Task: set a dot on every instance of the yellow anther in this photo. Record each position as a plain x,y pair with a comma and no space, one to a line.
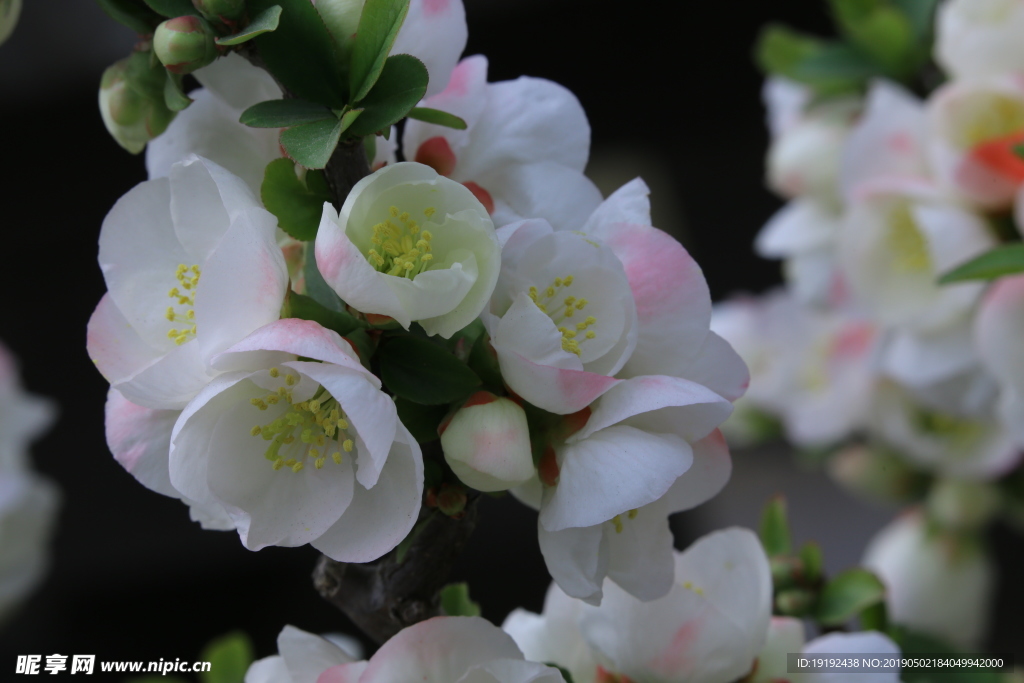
180,339
297,467
633,513
314,453
181,268
404,216
393,211
195,269
569,300
278,464
313,405
617,523
549,292
568,280
255,431
533,293
336,457
170,314
319,463
348,445
569,311
591,334
429,211
342,424
274,372
272,399
174,292
581,303
290,380
558,282
289,462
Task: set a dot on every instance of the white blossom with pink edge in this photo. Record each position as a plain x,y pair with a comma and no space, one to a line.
23,416
413,245
976,39
605,496
302,658
445,650
300,451
917,564
523,151
639,306
192,267
998,330
708,629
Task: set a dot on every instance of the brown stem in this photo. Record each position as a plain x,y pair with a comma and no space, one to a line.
348,165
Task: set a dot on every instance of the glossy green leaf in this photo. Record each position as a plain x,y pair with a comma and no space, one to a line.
483,360
422,372
774,529
828,67
348,118
284,113
229,657
401,85
421,421
265,22
455,601
174,96
378,27
172,8
307,308
297,204
1007,259
847,595
813,561
301,53
780,48
316,286
921,15
835,61
311,144
437,117
880,31
131,14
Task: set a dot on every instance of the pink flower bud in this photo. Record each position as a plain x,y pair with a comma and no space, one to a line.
487,443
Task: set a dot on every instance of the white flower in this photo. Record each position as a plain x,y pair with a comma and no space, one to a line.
784,102
23,417
933,583
441,650
998,329
979,38
300,451
523,151
487,443
192,266
303,657
28,511
412,245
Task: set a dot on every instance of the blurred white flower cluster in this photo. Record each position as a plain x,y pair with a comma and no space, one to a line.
911,385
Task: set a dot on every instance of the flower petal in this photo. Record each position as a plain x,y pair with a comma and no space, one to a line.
640,555
434,32
706,477
117,350
545,189
307,655
237,82
171,381
140,439
577,559
292,337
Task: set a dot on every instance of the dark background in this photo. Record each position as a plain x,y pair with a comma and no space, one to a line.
674,98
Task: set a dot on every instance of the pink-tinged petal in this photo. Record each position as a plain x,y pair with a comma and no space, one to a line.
243,284
708,475
512,671
630,203
615,470
435,32
556,193
379,518
343,673
553,389
171,381
294,337
439,650
237,82
205,200
718,367
999,329
888,141
140,439
465,97
577,559
267,670
117,350
670,405
307,656
640,551
346,270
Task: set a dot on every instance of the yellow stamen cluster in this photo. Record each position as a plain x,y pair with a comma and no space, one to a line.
617,520
566,308
401,247
310,428
188,280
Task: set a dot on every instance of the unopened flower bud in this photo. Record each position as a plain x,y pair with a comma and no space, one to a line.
962,505
341,17
876,473
786,571
794,602
132,118
9,11
220,10
487,443
184,44
451,500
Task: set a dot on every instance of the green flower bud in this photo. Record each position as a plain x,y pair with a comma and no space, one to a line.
132,108
224,11
9,11
794,602
184,44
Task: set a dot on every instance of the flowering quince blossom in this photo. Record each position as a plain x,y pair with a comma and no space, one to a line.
413,245
786,635
979,38
192,266
524,149
708,628
438,650
917,565
997,333
297,451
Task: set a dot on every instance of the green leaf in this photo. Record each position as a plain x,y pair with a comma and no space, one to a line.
311,144
174,96
779,49
316,287
420,420
437,117
172,8
1003,260
828,67
307,308
378,27
774,530
297,205
813,561
847,595
424,373
921,15
835,62
566,676
402,84
484,362
364,345
136,17
229,657
284,113
301,53
455,601
880,31
265,22
349,117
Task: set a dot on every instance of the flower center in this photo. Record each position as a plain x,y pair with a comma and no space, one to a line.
907,243
400,247
560,313
308,429
188,280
